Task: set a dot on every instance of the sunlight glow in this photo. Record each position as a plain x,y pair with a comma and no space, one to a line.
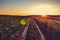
43,9
44,16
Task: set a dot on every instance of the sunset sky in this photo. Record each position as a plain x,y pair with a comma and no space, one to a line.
30,7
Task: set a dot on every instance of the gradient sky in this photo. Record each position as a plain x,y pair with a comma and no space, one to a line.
25,7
